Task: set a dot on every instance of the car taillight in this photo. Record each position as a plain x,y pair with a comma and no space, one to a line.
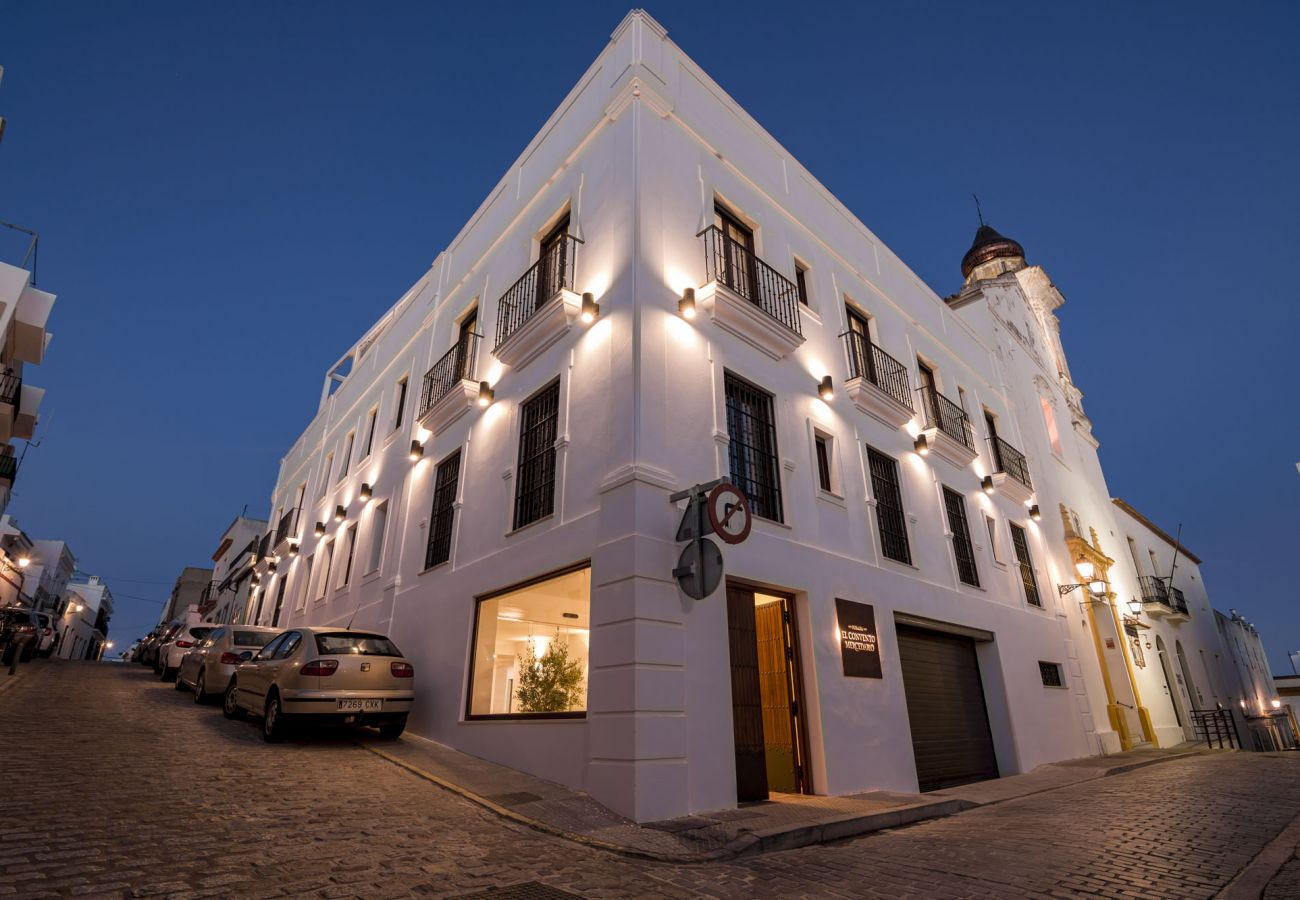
402,670
320,667
230,659
184,643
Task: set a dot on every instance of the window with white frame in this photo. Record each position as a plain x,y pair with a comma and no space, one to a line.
370,432
323,567
348,443
343,548
991,525
304,587
378,524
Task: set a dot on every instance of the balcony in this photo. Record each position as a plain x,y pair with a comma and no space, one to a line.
208,598
540,307
29,405
263,557
31,307
878,384
1161,601
11,392
1011,472
450,388
748,297
947,428
8,470
286,532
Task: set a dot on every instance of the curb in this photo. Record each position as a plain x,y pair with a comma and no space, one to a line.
1251,882
744,845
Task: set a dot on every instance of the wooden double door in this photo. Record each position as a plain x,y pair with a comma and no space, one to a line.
766,695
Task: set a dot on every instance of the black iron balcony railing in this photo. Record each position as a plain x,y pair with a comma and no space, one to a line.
1177,601
1153,590
545,278
8,468
868,361
264,546
946,416
288,527
1011,461
11,389
729,262
208,598
456,364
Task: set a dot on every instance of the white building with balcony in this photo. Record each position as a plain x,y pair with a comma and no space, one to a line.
84,621
658,295
24,313
226,597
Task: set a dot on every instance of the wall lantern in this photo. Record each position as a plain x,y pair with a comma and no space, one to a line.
293,549
922,445
1085,568
1097,587
1035,514
417,450
485,394
686,305
590,308
365,493
825,389
270,566
339,513
987,484
1276,704
24,562
1135,607
320,529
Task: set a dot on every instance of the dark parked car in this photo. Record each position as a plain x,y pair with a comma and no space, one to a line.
19,628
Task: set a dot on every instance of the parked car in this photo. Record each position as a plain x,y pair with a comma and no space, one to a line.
208,667
45,643
148,654
19,628
179,642
324,675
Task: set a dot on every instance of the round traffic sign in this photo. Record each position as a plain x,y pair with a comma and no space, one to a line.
729,513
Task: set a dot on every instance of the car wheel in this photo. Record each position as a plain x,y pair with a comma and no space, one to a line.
199,695
179,685
274,724
230,707
392,730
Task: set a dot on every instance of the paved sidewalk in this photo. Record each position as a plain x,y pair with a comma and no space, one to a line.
782,823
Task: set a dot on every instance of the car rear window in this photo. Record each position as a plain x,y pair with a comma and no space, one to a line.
200,633
251,638
346,643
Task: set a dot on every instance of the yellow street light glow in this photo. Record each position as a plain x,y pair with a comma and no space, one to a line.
1085,568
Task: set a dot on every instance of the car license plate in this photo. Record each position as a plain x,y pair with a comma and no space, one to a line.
361,705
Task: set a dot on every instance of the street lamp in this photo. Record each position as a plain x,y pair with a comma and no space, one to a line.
1087,578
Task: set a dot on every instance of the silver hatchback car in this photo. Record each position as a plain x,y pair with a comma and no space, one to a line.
209,667
324,675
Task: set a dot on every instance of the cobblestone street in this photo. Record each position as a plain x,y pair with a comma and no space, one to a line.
120,786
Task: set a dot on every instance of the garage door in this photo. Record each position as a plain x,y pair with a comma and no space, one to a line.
945,708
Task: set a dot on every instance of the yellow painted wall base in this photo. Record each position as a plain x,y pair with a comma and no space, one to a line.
1148,730
1116,715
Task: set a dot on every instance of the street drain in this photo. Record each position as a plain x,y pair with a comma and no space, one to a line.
525,890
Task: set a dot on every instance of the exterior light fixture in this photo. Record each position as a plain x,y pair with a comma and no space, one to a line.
922,445
270,566
24,562
1276,704
590,308
1135,606
1035,514
1243,704
1097,587
320,529
987,484
417,450
826,390
1085,568
293,549
365,493
485,394
1087,578
339,513
686,305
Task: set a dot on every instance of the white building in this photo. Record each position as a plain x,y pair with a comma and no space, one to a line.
85,618
24,312
52,567
487,478
226,599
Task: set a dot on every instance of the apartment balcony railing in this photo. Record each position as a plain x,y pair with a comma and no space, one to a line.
287,529
11,389
732,265
1161,599
8,468
552,273
868,361
1177,601
264,546
1153,589
947,417
1008,459
455,366
208,598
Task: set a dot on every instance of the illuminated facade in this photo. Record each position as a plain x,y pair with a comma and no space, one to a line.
24,312
653,297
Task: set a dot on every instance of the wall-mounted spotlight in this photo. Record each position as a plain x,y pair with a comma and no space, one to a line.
340,513
24,562
320,529
825,389
365,493
417,451
1035,514
922,445
485,394
987,484
293,549
270,566
590,308
686,305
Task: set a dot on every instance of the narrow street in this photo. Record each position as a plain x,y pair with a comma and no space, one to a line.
118,785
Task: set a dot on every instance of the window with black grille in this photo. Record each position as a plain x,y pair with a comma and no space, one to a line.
1051,674
889,507
755,468
443,516
1021,545
955,504
535,477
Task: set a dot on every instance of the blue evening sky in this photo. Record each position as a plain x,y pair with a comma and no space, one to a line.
229,193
